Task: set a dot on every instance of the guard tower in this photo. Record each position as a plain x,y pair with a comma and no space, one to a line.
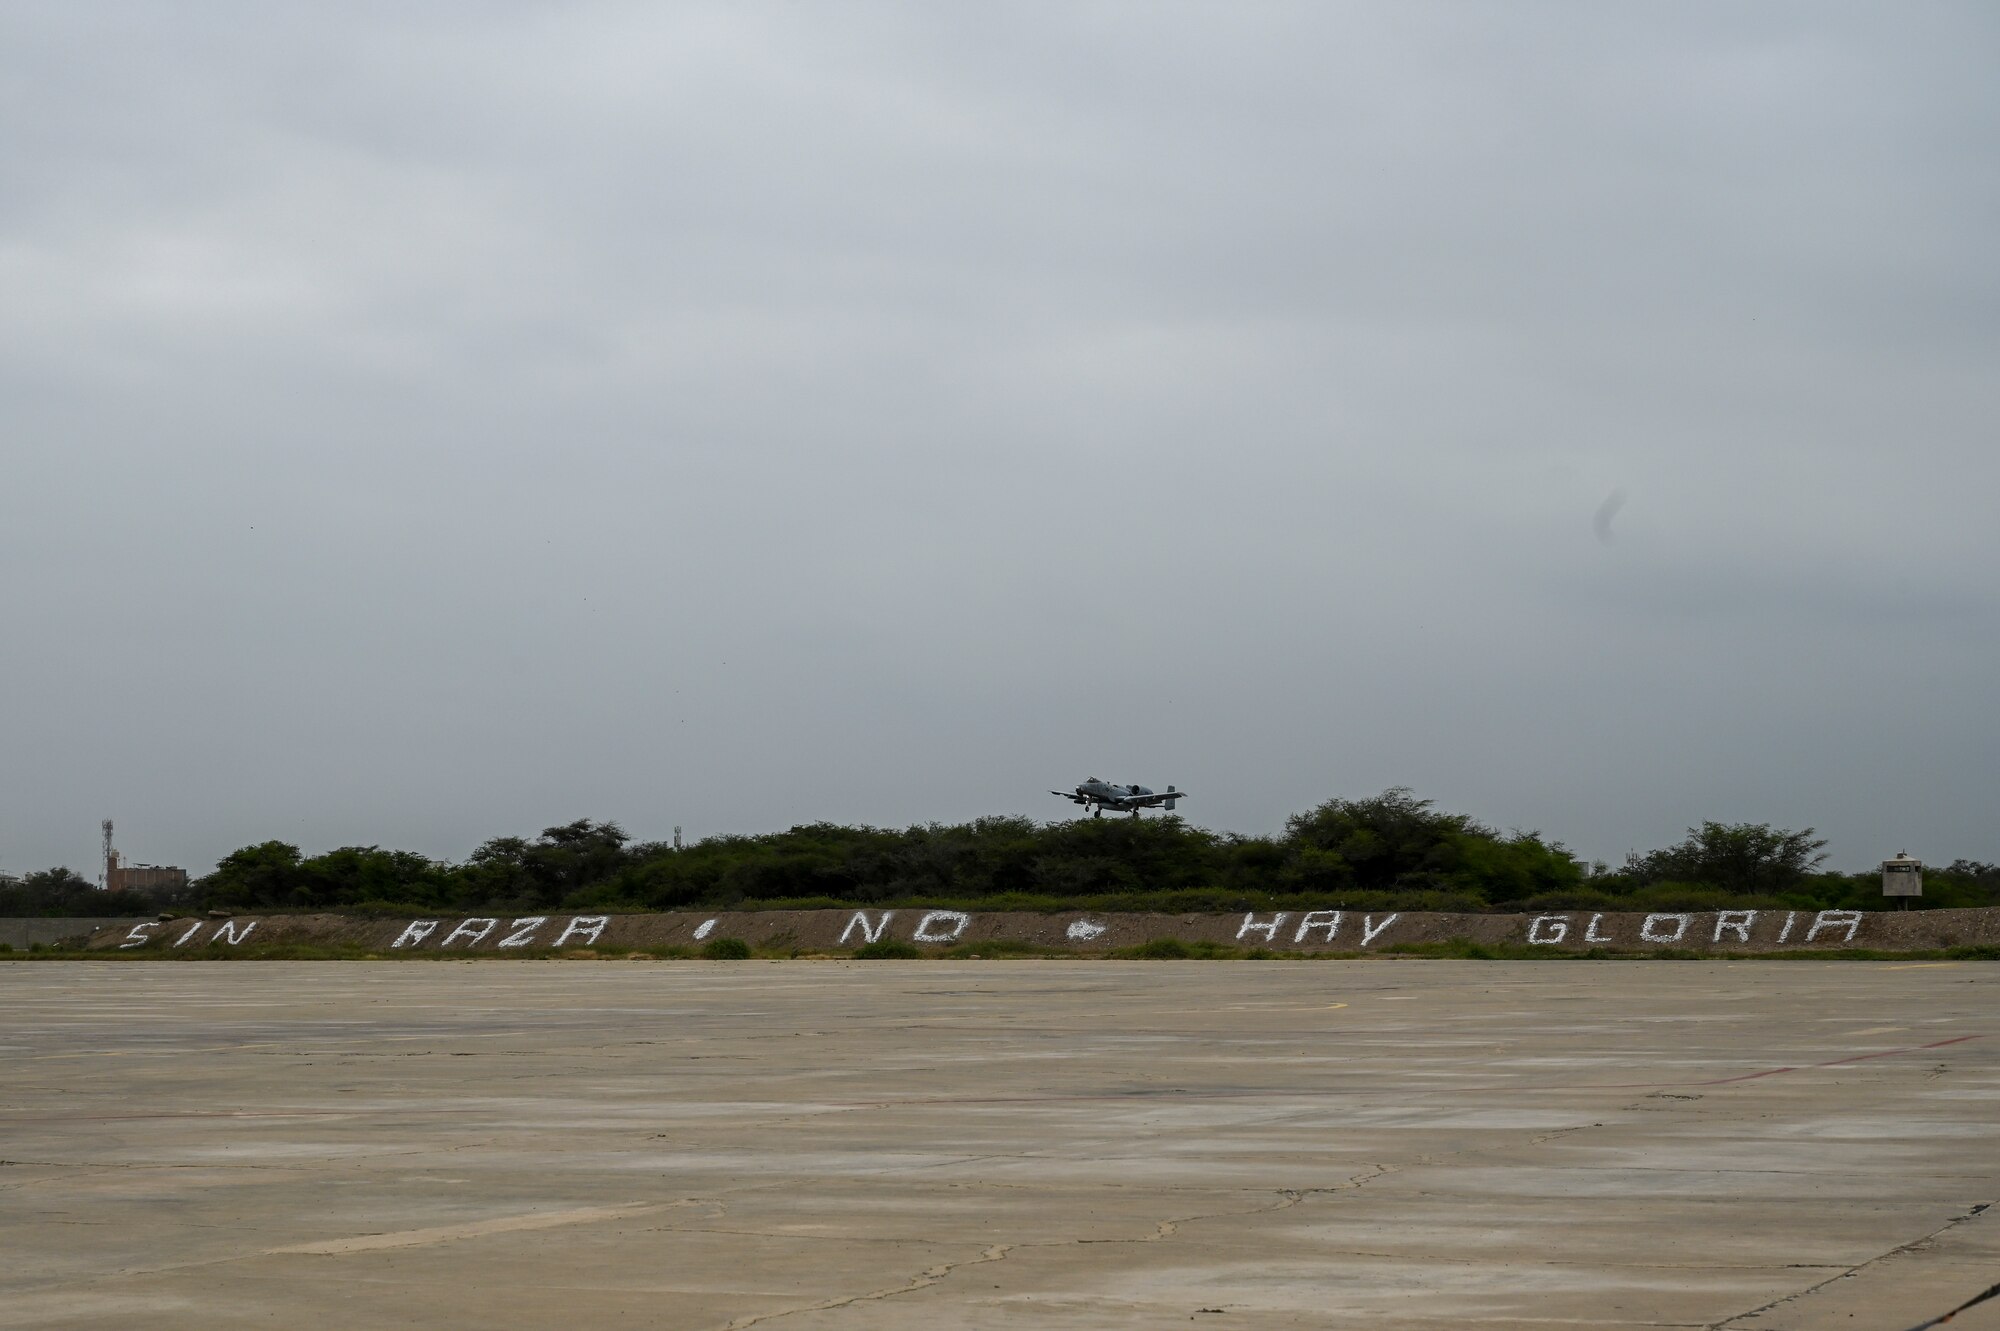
1902,878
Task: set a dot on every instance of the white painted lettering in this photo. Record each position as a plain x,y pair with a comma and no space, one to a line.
1737,922
588,927
868,935
1082,931
1252,925
1548,929
226,932
1835,919
138,937
1681,922
956,920
524,930
1370,930
1328,920
416,933
470,934
188,937
1590,934
1786,932
703,930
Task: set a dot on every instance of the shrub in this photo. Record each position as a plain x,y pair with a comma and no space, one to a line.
1159,949
887,949
1173,949
726,949
991,949
1463,949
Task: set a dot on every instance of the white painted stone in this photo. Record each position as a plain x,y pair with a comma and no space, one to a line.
868,934
1737,922
588,927
471,935
1835,919
1082,931
703,930
416,932
1548,929
1370,931
1253,925
1328,920
1681,923
927,933
523,930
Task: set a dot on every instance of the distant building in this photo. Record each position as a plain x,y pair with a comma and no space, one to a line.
139,877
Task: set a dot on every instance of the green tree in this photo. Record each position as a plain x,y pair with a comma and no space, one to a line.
1389,840
63,891
354,874
59,881
267,874
574,858
1737,857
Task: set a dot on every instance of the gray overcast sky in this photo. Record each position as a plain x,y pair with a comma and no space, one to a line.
420,423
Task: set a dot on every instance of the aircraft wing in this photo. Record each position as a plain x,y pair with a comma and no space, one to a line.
1071,796
1148,801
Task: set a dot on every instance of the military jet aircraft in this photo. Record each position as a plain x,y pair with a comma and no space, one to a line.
1098,796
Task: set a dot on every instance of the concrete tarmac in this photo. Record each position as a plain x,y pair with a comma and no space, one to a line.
841,1145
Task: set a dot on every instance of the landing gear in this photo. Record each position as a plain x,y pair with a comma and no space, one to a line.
1097,812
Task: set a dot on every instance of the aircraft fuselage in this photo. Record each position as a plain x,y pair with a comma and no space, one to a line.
1099,795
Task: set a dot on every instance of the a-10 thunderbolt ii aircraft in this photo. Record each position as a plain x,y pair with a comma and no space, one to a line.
1101,795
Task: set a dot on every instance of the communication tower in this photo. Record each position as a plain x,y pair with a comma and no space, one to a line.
110,858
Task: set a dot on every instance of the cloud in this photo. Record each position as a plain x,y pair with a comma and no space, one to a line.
421,425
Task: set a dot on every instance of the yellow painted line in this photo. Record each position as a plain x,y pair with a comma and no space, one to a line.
1922,965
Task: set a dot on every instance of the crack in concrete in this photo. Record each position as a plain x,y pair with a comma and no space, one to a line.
1162,1230
1562,1132
1297,1196
922,1280
1912,1246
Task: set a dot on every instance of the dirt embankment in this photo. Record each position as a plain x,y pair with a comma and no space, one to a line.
1085,933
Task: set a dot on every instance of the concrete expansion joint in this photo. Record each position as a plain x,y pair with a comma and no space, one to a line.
1917,1244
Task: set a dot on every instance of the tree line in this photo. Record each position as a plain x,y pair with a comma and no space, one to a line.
1387,851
